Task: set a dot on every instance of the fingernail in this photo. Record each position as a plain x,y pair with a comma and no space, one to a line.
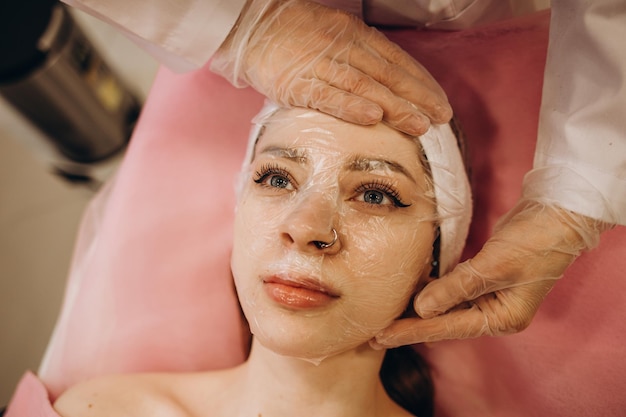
443,113
375,345
427,313
372,113
416,125
426,310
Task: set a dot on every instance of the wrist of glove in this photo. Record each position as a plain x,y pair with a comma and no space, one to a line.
543,238
230,58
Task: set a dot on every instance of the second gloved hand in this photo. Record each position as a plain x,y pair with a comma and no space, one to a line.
300,53
499,290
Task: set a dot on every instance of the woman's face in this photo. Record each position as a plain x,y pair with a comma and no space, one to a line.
311,173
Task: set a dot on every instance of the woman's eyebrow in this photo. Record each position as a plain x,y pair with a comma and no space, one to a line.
293,154
357,163
362,163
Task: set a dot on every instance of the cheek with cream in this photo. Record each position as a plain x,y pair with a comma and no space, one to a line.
304,303
310,307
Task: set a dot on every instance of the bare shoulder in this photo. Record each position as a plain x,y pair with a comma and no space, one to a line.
121,395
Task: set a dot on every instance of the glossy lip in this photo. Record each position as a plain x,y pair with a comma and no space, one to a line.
299,282
298,292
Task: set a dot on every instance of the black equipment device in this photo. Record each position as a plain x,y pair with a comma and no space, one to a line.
53,75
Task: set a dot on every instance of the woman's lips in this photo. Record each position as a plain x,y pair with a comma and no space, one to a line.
298,293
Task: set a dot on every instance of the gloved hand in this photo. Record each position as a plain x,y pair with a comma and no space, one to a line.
500,289
300,53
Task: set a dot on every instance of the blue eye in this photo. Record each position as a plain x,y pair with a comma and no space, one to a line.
278,181
379,193
272,176
373,197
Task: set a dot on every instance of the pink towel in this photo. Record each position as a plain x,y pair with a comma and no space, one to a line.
30,399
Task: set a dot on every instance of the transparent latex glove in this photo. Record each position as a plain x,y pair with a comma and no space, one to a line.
302,54
500,289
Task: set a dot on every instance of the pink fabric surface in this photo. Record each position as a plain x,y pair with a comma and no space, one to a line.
30,399
150,290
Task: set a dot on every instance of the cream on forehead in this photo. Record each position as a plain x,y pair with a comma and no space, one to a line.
367,164
317,130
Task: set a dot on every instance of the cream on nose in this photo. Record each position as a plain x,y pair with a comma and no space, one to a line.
310,223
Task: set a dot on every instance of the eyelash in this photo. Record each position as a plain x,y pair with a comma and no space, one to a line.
271,169
384,187
377,185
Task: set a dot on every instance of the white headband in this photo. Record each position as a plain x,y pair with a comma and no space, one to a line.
451,185
453,193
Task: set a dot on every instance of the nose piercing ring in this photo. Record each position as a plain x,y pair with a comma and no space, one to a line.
324,245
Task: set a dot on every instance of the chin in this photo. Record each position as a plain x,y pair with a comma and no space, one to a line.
310,341
314,353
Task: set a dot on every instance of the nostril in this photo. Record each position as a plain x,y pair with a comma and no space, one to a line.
287,238
320,245
325,245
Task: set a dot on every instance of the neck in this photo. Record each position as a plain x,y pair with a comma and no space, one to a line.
342,385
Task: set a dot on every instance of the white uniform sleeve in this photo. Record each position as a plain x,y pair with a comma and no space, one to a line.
180,34
580,161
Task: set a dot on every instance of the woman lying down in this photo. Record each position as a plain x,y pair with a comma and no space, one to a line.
337,227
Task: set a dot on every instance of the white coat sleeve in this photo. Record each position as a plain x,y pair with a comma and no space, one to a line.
181,34
580,160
